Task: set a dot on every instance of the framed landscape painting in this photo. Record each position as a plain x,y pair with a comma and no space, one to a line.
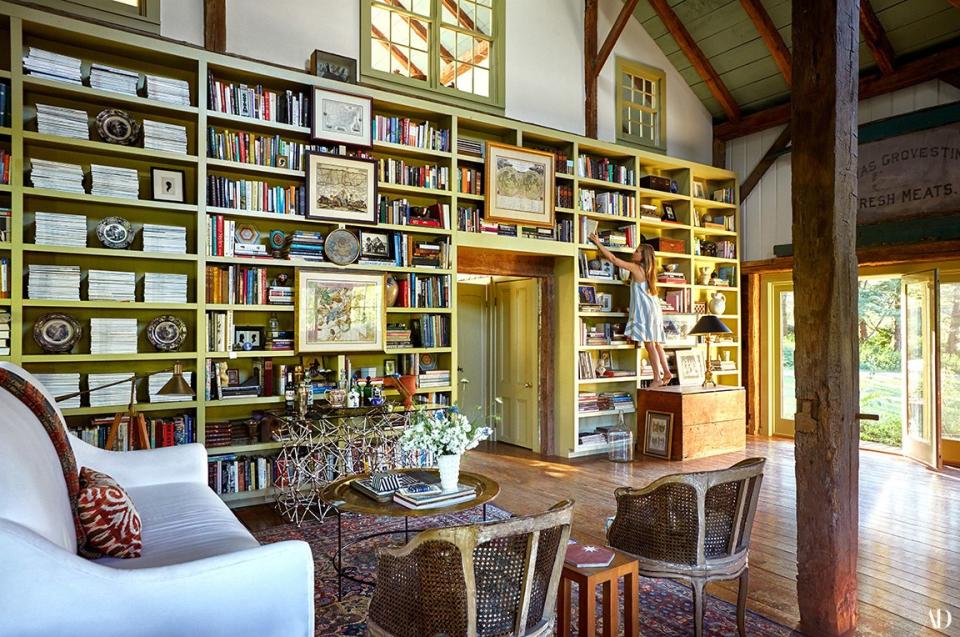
342,189
341,118
519,186
339,312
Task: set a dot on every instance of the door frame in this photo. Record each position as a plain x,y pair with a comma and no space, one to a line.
929,454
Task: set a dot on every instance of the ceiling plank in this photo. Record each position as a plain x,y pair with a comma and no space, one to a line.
699,61
626,12
876,38
929,67
771,37
776,149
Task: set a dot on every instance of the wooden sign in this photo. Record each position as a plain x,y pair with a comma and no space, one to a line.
910,175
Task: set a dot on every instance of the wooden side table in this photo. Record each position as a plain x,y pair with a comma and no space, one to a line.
588,578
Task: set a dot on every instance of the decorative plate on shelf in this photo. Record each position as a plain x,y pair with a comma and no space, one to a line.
428,362
56,333
115,232
341,247
245,233
166,333
117,127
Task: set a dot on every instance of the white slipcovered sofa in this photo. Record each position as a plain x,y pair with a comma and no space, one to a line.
200,573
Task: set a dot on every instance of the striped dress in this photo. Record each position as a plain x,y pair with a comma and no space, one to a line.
645,321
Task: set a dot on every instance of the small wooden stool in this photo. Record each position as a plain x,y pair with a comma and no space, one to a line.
587,578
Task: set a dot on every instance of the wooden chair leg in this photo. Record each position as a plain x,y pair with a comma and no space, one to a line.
698,608
742,590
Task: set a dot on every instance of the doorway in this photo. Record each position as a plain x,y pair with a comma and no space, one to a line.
499,354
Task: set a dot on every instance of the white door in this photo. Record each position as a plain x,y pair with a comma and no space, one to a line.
517,368
473,350
921,364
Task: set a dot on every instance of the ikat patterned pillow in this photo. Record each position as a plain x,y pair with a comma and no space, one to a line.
109,519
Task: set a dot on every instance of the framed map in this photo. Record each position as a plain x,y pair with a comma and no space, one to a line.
519,186
342,189
341,118
339,312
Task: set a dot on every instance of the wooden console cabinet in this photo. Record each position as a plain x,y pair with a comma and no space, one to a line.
706,420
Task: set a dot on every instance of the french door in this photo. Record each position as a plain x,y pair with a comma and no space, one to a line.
920,364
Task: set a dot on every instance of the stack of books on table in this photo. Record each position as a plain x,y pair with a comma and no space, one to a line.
156,381
56,175
167,89
171,138
398,336
431,496
113,336
52,66
111,78
58,229
305,245
433,378
109,396
60,385
4,333
164,288
53,282
111,285
113,181
62,121
171,239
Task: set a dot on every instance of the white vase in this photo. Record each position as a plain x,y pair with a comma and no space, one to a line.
449,466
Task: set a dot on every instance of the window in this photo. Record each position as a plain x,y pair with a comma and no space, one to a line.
453,47
641,96
143,15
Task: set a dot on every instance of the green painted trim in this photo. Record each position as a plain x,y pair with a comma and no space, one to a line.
923,119
637,69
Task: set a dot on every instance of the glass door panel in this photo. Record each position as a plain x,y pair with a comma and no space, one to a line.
783,347
920,364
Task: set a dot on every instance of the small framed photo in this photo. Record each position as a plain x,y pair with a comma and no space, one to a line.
331,66
668,213
167,184
375,245
389,367
699,189
658,434
341,118
588,294
690,366
247,339
341,189
606,301
233,377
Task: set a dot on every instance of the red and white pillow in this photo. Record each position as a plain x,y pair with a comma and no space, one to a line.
108,517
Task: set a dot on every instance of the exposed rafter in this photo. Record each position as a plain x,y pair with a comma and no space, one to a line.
776,149
771,37
215,25
593,60
626,12
697,59
876,38
395,52
955,3
930,67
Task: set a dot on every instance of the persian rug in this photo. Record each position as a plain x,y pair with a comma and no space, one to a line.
666,607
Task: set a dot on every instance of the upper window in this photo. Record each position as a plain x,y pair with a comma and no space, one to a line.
641,99
449,46
143,15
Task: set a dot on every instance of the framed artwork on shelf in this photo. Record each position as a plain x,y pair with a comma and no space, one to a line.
248,338
341,118
690,366
699,189
375,245
588,294
389,367
658,434
668,213
167,184
341,189
519,186
339,312
606,301
331,66
677,328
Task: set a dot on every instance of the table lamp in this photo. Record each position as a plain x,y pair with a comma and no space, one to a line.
707,326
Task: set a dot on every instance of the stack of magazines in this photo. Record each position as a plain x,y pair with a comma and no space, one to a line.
110,285
111,78
158,238
164,288
113,181
52,66
113,336
413,489
171,138
59,229
53,282
61,385
62,121
108,396
156,382
167,89
56,175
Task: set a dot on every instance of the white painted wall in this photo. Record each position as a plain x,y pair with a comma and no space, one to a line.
767,212
544,45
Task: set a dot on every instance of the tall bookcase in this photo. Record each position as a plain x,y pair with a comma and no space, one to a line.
25,27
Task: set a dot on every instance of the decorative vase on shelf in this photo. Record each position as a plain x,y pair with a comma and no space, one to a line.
449,465
704,275
718,303
392,290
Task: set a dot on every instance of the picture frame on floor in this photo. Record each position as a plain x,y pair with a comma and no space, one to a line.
658,434
341,118
339,312
341,189
520,186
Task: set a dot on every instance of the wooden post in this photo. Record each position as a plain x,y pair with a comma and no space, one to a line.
215,25
824,121
589,77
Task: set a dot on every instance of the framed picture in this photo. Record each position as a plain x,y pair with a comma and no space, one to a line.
331,66
339,312
690,366
588,294
247,338
375,245
389,367
341,118
519,186
167,184
699,189
658,434
233,377
606,301
668,213
341,189
677,328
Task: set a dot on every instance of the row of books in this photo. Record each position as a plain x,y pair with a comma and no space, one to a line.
607,202
591,402
605,170
717,221
399,172
240,474
221,237
470,219
255,196
236,432
257,102
430,331
725,195
724,249
564,196
470,181
402,130
252,148
400,212
238,284
4,104
424,291
4,333
6,159
677,301
165,431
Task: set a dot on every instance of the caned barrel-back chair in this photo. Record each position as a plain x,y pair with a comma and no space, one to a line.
484,580
693,527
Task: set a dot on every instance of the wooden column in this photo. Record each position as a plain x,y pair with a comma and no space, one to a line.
215,25
589,77
824,121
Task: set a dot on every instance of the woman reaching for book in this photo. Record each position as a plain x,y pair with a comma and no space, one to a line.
645,320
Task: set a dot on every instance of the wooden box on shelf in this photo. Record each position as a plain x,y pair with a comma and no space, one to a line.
706,420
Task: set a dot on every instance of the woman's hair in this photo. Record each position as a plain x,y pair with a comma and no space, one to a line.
647,260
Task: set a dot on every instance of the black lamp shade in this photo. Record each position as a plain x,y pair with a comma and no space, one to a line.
709,324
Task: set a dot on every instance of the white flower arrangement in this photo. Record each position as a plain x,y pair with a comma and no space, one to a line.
443,432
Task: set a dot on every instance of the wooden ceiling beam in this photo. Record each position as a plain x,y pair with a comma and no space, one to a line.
876,37
776,149
934,66
215,25
697,59
626,12
955,3
771,37
590,12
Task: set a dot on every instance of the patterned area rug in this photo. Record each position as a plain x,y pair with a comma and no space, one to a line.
666,607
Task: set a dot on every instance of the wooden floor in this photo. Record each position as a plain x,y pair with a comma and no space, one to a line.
909,526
